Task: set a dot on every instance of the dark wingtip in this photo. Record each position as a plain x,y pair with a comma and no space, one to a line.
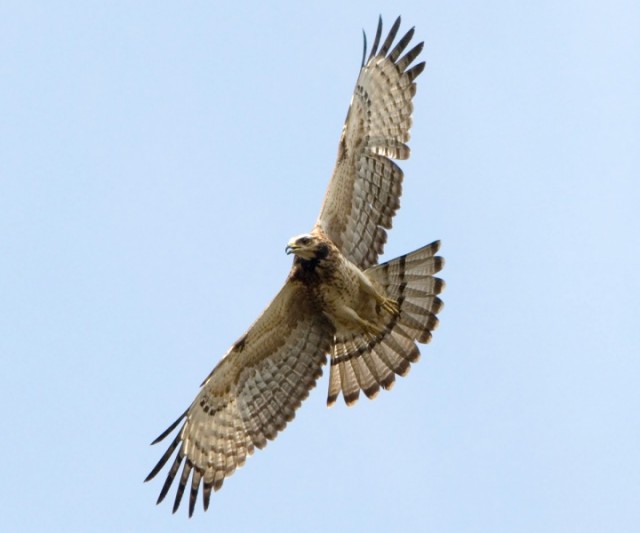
376,40
386,46
163,460
173,426
415,71
206,494
165,489
178,499
193,496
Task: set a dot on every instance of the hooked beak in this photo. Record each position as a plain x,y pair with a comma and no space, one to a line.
290,249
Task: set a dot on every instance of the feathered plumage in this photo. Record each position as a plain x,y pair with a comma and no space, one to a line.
336,300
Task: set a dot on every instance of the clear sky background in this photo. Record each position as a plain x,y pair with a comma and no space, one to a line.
156,157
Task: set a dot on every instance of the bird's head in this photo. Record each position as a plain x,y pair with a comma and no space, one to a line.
307,247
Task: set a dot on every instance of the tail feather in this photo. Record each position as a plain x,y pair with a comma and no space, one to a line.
400,343
371,369
350,386
363,378
335,381
362,362
379,371
397,357
392,366
366,379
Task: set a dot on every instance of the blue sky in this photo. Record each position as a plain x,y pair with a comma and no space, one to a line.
156,157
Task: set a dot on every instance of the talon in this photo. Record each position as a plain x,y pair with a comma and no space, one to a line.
372,329
391,306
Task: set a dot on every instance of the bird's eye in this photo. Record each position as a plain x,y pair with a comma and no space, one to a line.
304,241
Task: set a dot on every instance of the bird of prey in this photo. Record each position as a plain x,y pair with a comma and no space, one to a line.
337,301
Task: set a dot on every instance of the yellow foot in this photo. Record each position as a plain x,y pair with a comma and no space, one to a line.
370,328
391,306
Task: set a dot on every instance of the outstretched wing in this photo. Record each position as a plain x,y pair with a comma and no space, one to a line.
249,396
364,191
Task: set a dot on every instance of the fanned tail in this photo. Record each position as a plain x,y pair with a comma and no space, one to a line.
364,362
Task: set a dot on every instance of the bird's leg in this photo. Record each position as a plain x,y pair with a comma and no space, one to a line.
371,329
350,317
388,304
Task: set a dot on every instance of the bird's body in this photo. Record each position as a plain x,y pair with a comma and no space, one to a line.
342,292
336,300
